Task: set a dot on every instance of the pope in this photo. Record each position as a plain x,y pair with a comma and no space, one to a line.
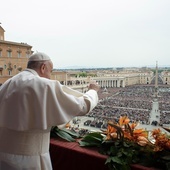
30,104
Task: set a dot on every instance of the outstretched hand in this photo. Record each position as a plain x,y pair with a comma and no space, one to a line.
94,86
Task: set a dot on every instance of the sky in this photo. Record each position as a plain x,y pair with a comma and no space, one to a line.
92,33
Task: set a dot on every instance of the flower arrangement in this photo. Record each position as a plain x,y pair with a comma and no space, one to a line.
125,145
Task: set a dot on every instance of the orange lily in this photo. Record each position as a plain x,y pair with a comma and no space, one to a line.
110,131
142,141
124,120
133,125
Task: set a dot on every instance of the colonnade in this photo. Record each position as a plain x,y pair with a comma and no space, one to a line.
81,84
111,83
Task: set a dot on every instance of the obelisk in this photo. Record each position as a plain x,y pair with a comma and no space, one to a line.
155,112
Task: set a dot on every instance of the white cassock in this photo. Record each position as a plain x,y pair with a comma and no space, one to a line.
29,106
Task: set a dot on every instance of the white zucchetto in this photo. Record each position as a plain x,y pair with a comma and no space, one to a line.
39,56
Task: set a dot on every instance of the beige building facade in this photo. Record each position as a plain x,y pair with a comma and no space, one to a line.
124,78
13,57
165,75
106,79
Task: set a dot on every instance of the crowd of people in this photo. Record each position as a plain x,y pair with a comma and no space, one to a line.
133,101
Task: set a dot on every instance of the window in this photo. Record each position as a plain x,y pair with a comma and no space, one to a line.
0,52
9,53
19,54
5,66
28,54
1,68
9,66
10,72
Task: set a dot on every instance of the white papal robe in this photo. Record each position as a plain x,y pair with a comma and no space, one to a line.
29,106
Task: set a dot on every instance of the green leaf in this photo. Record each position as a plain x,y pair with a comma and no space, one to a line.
53,131
95,136
114,159
89,143
91,139
72,133
65,135
108,160
54,128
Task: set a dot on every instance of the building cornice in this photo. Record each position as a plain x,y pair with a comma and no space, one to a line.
15,43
